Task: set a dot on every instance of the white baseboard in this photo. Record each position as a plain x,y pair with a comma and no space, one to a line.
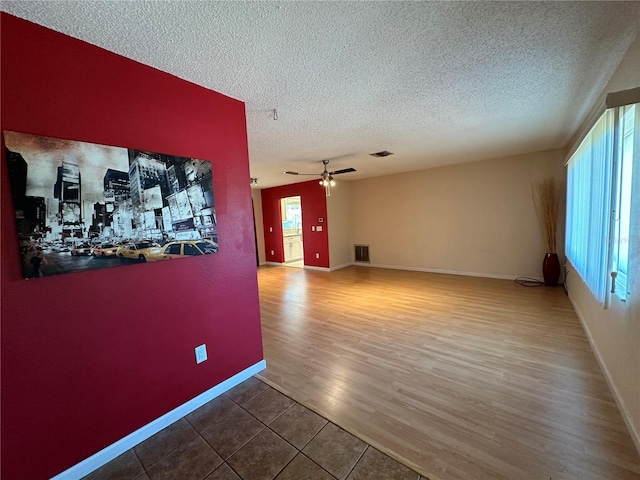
277,264
338,267
626,415
107,454
436,270
319,269
413,269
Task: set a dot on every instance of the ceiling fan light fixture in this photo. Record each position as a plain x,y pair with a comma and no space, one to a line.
326,177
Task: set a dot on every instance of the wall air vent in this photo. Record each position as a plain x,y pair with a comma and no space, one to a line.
362,253
381,154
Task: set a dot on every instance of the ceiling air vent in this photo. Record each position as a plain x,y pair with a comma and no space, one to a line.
381,154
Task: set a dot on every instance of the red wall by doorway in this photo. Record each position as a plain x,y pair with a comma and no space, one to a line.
89,357
314,207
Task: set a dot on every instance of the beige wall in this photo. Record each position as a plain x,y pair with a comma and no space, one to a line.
472,218
615,333
339,225
257,211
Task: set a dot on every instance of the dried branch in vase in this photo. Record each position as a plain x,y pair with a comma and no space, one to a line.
546,199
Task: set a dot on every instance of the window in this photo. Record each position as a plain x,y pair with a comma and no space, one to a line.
173,249
191,250
622,211
206,247
599,203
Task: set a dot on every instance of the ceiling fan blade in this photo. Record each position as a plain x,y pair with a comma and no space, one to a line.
296,173
344,170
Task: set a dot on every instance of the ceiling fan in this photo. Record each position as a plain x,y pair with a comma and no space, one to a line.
326,177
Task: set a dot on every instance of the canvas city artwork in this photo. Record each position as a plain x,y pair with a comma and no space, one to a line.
82,206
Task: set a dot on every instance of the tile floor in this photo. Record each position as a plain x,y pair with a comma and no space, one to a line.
253,432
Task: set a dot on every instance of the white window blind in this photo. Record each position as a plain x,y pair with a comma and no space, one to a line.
589,180
599,203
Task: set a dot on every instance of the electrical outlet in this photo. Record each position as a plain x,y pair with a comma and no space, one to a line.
201,353
317,255
319,228
313,228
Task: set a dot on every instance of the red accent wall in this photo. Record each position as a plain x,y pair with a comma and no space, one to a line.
314,206
90,357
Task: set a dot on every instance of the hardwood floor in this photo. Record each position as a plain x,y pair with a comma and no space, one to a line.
457,377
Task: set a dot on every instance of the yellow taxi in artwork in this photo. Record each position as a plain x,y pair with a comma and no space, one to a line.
104,250
183,249
141,251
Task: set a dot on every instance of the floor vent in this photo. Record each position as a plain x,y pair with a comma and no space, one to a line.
362,253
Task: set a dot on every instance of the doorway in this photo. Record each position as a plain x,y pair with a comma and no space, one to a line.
291,212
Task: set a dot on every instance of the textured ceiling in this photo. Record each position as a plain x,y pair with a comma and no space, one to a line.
433,82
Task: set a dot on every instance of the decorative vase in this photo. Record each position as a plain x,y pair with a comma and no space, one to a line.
551,269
